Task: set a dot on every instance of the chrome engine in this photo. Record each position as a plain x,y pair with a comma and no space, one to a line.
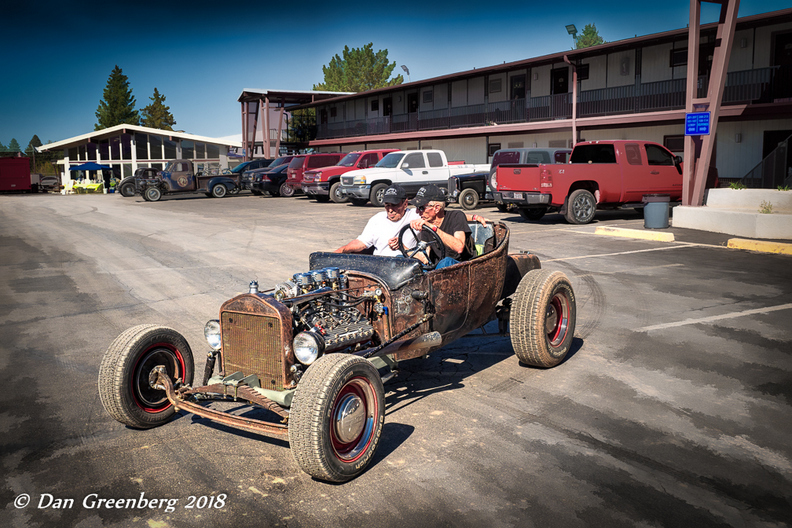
320,304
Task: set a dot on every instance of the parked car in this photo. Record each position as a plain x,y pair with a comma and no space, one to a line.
600,174
304,162
48,182
126,187
324,184
272,181
249,175
179,176
469,189
527,156
412,169
316,350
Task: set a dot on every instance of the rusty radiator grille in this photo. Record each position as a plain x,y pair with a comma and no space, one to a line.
252,345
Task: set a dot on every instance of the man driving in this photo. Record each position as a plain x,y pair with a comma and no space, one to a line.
450,226
382,229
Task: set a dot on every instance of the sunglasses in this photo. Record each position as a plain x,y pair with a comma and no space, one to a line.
420,208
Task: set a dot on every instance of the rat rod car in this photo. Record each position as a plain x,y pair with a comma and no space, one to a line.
315,350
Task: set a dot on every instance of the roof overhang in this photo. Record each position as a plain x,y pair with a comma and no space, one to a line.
288,97
93,137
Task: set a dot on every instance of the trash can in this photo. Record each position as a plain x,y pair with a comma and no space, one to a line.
656,211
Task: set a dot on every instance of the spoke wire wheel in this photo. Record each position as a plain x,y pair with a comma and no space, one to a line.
336,417
542,318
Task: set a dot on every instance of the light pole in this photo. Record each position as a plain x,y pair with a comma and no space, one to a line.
407,71
572,30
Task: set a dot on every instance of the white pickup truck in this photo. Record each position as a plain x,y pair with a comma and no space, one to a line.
412,169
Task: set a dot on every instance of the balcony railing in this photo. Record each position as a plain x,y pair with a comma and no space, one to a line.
751,86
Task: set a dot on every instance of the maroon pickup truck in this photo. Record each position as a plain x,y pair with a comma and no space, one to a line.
323,184
600,174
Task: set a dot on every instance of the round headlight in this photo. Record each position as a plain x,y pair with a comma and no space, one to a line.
307,347
212,333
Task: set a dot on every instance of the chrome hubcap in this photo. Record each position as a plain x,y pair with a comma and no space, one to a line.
350,418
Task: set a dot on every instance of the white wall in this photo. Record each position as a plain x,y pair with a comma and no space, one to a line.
734,160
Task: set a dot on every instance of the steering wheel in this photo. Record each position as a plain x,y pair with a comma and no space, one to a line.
422,247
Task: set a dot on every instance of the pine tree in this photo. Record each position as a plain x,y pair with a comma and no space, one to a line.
118,104
156,114
359,70
14,146
589,37
3,148
34,143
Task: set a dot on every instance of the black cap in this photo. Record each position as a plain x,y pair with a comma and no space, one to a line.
428,193
394,194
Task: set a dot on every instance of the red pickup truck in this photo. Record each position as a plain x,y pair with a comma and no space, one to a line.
600,174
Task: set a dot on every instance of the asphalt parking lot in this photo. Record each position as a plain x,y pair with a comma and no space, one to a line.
673,409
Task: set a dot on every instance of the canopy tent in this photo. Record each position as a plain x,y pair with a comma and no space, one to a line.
90,166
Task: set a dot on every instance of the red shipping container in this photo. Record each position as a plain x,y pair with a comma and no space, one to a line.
14,174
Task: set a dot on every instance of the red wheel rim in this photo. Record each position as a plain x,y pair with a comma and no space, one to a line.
146,397
352,419
557,319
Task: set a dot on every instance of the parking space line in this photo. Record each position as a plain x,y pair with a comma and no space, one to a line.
731,315
665,248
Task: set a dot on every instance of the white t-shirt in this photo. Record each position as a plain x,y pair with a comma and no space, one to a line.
379,230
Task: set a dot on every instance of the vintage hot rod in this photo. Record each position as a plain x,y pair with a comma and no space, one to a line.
315,350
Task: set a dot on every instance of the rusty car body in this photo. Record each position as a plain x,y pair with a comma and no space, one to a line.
316,349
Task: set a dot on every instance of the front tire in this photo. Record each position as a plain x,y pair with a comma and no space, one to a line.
336,417
219,191
124,383
581,207
152,194
127,190
469,199
335,193
542,318
378,194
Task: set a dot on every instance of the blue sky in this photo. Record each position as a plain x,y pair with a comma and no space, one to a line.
201,54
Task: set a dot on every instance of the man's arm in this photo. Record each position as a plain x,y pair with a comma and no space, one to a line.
355,246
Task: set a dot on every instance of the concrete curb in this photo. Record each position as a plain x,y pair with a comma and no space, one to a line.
760,245
657,236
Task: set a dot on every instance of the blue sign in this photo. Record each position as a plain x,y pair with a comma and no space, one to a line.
697,124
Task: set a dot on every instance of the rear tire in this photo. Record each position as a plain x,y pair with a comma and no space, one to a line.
219,191
542,318
336,417
531,215
286,190
581,207
124,387
335,193
469,199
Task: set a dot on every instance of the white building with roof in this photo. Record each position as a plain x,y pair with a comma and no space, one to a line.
125,148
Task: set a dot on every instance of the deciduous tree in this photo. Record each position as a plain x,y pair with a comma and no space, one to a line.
358,70
118,104
156,114
589,37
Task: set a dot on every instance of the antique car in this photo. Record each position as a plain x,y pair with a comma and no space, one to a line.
315,350
469,189
126,187
181,176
